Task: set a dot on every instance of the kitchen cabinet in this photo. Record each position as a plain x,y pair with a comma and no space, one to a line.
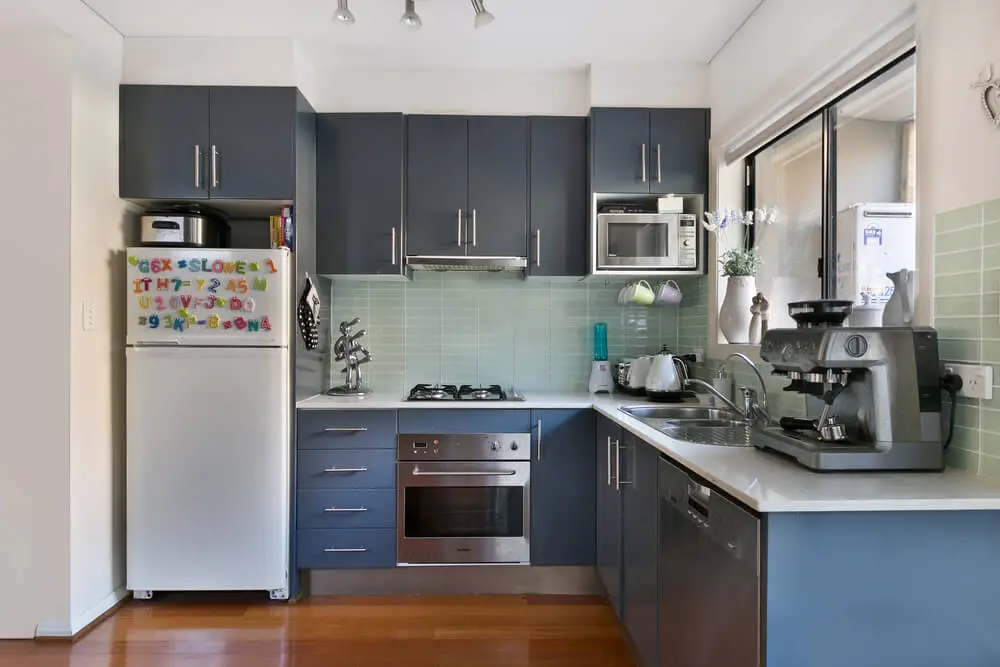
640,547
207,142
466,185
562,490
359,198
609,511
649,151
558,196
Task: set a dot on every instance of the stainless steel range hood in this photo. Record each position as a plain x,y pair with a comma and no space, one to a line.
465,263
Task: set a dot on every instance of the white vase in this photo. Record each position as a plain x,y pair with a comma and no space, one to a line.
734,316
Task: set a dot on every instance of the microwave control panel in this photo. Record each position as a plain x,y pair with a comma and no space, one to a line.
687,241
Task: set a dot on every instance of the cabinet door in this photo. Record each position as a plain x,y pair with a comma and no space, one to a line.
437,184
640,548
164,142
620,140
558,197
498,186
678,157
562,487
359,194
253,134
609,526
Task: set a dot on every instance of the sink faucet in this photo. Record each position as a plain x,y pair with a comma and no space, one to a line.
752,410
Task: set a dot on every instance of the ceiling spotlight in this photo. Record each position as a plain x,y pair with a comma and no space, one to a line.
410,18
483,17
343,13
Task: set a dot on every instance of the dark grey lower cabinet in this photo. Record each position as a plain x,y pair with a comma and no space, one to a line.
609,511
562,488
640,547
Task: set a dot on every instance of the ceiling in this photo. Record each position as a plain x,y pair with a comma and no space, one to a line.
535,34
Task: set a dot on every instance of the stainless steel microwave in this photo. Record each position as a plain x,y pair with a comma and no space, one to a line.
647,242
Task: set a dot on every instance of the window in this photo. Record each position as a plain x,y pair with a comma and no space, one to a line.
843,181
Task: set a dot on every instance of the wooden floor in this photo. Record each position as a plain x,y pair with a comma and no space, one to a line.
343,632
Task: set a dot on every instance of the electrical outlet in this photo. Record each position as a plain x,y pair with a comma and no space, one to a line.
977,381
89,316
699,355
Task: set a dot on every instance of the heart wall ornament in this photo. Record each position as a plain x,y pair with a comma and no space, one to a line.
989,87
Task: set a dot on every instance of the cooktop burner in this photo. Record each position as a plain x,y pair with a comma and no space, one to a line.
465,392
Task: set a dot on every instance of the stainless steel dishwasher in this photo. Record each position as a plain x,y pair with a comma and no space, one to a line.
709,576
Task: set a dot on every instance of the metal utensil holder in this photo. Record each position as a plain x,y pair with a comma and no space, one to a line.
348,348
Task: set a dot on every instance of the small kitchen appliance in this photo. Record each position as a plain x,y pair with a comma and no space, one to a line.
873,396
463,498
184,226
601,381
629,238
666,377
208,420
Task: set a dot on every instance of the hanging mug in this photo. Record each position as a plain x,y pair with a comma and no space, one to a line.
641,293
669,293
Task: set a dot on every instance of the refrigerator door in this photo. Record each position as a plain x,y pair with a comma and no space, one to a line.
208,297
208,468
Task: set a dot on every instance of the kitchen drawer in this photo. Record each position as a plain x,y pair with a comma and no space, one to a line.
361,547
499,420
346,429
361,469
346,508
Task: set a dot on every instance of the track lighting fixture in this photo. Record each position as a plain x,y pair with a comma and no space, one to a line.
483,17
410,18
343,13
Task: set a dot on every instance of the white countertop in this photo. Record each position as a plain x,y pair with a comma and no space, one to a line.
761,480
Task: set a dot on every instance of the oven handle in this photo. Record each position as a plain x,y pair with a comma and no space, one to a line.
475,473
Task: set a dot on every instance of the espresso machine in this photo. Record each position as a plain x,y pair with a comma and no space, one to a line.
873,397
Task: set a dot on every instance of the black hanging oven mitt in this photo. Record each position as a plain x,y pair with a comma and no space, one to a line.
309,315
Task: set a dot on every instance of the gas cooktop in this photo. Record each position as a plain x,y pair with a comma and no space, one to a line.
465,392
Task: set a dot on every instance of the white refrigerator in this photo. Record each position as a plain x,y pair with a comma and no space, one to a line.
208,420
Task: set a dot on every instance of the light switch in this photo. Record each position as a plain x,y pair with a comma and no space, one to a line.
89,316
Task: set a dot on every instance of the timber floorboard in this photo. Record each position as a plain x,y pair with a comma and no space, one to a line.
492,631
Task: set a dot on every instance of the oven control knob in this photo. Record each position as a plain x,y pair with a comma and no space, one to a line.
513,446
495,446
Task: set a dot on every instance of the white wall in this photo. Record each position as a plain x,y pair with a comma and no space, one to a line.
206,61
649,85
35,121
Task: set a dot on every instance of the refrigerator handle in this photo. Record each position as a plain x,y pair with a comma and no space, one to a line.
173,342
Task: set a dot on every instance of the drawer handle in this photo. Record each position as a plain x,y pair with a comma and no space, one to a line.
346,509
471,473
357,550
349,429
346,470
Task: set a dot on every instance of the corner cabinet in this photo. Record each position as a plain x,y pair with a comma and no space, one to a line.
609,511
649,151
207,142
466,185
640,547
558,196
562,488
359,194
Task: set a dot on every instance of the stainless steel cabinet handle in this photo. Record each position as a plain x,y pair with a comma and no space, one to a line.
394,246
609,460
644,163
356,550
215,166
459,228
197,166
538,248
346,429
618,464
346,509
473,228
471,473
659,167
346,470
539,440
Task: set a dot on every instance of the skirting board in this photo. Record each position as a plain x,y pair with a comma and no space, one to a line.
62,630
455,580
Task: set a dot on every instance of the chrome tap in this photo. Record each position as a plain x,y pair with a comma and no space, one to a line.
752,410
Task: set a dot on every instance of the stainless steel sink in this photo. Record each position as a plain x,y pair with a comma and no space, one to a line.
700,424
680,413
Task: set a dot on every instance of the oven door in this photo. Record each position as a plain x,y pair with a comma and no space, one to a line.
463,512
637,241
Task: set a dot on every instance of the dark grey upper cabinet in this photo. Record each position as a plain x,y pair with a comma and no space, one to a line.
253,135
359,195
620,150
498,186
558,196
640,547
678,157
164,142
562,487
437,184
609,511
